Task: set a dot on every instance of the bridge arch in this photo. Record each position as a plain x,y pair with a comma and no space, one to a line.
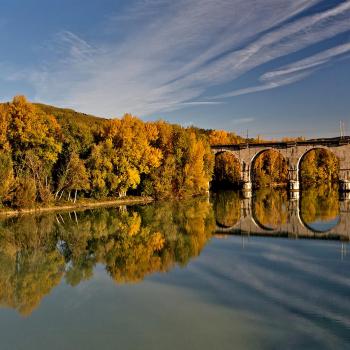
294,153
302,157
227,168
256,156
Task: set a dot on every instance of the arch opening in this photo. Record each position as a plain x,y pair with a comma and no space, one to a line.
269,169
319,208
318,166
270,209
227,171
227,208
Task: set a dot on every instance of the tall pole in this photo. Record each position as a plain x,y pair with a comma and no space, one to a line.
341,128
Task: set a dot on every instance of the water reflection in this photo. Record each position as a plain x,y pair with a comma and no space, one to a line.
320,207
36,252
227,208
270,208
318,213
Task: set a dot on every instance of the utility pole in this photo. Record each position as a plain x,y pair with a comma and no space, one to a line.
341,128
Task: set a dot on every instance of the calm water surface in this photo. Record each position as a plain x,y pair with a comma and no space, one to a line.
221,273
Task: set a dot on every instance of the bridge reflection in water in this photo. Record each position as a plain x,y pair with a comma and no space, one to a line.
317,213
39,252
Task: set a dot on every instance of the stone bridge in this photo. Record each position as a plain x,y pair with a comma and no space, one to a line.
293,153
294,227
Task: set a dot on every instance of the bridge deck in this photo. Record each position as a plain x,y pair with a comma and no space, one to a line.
334,141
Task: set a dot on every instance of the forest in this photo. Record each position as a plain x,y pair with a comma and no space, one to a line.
49,154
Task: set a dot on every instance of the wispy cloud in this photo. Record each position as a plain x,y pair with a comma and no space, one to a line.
246,120
176,51
293,72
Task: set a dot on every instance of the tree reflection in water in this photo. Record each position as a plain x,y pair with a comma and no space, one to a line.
270,207
227,208
36,252
320,205
272,210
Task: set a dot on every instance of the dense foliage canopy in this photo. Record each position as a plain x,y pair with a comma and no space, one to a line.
48,154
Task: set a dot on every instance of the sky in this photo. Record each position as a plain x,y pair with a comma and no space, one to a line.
264,67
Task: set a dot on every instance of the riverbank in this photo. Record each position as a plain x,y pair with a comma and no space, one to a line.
80,204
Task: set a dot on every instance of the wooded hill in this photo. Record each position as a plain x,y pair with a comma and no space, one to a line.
49,154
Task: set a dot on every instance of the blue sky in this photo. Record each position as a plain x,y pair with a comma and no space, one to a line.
273,67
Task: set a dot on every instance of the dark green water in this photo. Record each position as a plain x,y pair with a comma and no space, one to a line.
181,275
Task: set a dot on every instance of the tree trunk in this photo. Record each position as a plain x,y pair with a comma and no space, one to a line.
61,195
75,196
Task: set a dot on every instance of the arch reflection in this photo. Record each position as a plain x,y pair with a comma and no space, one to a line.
270,209
227,208
319,208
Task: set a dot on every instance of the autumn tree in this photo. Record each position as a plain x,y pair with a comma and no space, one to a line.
319,166
34,140
7,179
73,177
270,169
32,130
187,163
222,137
227,170
127,153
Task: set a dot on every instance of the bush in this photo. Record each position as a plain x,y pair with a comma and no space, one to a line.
25,193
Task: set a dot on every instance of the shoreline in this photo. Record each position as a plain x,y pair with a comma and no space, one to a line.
7,212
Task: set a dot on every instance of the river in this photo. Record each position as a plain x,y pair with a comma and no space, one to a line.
217,272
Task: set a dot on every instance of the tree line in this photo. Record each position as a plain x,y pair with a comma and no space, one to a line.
49,154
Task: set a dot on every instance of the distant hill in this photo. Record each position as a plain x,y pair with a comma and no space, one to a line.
67,115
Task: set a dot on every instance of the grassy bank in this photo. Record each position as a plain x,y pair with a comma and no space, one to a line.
79,204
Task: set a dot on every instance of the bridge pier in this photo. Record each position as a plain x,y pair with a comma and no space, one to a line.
247,190
294,195
344,185
294,185
247,186
345,196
